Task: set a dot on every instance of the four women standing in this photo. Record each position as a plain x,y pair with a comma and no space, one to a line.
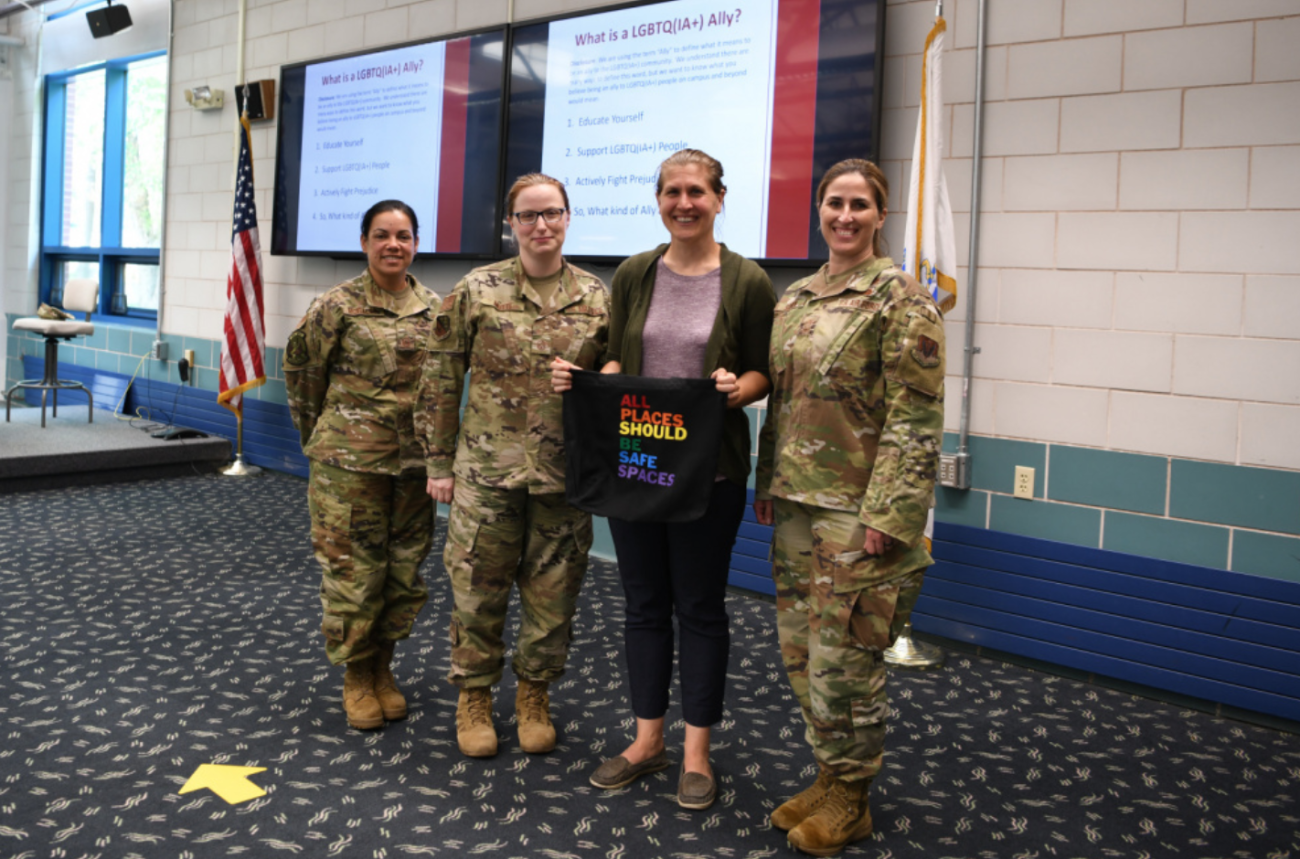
846,470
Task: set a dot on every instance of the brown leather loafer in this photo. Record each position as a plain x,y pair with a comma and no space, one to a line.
619,772
696,791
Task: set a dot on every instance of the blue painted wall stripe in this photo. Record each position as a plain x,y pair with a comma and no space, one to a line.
1266,555
1171,539
1090,592
1262,498
1207,654
1202,577
1120,669
1106,478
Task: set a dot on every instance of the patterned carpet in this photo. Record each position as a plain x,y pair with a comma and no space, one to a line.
152,627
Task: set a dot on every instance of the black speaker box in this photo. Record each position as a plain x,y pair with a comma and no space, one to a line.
261,99
107,21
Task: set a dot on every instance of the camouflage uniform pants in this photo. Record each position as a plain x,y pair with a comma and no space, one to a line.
834,623
370,533
499,538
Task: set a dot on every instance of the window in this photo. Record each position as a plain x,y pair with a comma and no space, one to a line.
105,128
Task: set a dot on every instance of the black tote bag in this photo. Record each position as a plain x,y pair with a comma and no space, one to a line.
639,449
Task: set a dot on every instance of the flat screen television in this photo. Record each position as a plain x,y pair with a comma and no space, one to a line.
420,122
777,90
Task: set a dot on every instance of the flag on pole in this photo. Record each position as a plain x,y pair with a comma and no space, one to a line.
930,244
244,340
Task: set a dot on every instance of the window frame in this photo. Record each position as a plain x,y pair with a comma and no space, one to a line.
110,254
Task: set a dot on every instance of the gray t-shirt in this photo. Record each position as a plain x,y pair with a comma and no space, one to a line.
679,322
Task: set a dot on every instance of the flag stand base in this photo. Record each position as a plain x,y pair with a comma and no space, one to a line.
907,652
239,468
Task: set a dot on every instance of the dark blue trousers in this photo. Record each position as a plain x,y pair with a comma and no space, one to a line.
679,569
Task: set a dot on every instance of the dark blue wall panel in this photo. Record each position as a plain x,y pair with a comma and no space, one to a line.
1226,637
751,565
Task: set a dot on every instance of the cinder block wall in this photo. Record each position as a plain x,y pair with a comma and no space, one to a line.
1139,292
1138,309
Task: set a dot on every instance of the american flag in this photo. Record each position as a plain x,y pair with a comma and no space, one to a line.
243,345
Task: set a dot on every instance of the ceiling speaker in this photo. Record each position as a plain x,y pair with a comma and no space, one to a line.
107,21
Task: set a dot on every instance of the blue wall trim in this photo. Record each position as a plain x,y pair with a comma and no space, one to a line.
751,562
1229,638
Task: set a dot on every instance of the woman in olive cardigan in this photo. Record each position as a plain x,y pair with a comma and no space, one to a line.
738,341
689,308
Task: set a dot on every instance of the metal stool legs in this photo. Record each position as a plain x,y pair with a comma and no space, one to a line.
51,383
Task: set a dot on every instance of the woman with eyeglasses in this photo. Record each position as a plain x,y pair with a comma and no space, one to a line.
688,308
501,466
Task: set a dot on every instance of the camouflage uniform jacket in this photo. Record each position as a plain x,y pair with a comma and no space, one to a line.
351,368
855,418
494,326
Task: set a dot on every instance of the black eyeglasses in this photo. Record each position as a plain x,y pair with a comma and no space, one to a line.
551,216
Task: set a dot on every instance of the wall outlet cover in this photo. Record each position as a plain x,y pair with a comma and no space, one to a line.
1024,485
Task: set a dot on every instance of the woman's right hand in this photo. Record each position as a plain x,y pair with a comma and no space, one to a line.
440,489
763,512
562,375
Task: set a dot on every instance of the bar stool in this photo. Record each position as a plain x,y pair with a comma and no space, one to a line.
78,295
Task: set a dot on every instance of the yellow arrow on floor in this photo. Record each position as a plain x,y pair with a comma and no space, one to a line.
229,783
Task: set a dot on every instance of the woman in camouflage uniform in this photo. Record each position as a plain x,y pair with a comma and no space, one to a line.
351,368
501,466
846,471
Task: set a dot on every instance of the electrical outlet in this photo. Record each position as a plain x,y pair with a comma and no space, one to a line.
1024,487
159,352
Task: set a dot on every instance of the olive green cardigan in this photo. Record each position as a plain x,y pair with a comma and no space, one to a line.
738,342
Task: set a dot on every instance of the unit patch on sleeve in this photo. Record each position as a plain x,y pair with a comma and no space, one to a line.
926,351
921,364
296,352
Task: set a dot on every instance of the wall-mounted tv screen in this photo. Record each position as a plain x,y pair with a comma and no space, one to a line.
420,123
777,90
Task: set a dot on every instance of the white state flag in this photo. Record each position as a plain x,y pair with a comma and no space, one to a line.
930,246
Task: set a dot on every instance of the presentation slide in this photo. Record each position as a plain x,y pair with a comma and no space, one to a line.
372,130
625,89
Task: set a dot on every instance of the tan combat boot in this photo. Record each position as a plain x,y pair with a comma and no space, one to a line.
359,701
533,711
843,817
799,807
474,730
391,699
